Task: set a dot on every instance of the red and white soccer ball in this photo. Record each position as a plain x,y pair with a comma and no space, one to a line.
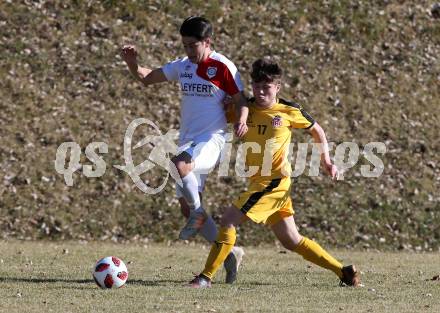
110,272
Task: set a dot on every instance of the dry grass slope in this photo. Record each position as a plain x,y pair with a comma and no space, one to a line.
367,71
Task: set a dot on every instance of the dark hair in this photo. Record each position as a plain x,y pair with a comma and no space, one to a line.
266,70
196,26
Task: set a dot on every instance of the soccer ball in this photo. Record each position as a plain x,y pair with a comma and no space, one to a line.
110,272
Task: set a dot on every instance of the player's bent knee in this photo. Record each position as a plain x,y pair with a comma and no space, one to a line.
183,164
292,241
289,245
297,239
231,217
183,168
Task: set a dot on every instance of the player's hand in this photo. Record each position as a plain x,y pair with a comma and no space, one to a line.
332,170
240,129
129,54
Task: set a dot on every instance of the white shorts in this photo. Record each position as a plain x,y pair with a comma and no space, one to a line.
205,151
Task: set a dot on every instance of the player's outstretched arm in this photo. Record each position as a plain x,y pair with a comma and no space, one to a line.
242,112
319,137
145,75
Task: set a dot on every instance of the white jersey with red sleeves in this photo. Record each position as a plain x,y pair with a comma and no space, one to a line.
203,86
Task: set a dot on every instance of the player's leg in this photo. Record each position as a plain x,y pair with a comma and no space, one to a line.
205,154
209,228
189,195
209,232
225,240
232,263
257,203
190,186
231,218
287,233
221,247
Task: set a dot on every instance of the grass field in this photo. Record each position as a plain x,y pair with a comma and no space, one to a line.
55,277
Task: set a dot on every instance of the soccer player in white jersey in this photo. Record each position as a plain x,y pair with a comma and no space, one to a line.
206,78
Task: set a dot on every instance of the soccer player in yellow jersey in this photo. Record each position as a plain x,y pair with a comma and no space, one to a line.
267,199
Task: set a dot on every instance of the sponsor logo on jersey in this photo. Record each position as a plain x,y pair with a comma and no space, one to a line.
211,71
200,88
188,67
277,121
186,75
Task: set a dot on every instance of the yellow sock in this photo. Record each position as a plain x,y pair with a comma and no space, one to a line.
313,252
219,251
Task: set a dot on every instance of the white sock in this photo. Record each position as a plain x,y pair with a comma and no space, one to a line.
190,190
209,230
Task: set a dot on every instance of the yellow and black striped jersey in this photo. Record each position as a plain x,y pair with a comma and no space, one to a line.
270,129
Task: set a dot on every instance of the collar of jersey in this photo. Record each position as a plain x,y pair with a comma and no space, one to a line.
207,59
263,109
